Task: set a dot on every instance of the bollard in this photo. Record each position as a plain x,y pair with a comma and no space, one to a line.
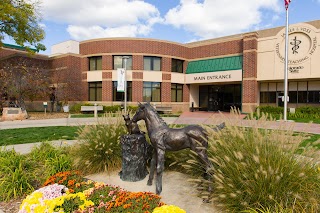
95,110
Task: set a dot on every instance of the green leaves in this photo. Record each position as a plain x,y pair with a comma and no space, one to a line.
20,20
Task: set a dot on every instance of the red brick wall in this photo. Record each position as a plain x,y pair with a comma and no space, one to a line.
217,49
166,64
250,88
132,46
137,62
107,90
165,92
137,91
157,47
250,91
68,71
186,93
166,87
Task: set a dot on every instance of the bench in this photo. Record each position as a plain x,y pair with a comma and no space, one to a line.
161,109
90,108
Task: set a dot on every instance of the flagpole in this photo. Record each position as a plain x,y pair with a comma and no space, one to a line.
286,67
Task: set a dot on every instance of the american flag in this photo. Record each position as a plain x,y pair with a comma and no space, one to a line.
286,3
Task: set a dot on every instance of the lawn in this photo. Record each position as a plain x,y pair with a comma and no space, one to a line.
41,134
37,134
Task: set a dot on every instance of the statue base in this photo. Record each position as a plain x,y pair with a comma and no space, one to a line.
134,157
12,113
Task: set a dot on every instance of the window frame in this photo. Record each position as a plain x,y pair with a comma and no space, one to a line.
152,63
174,87
128,65
175,67
95,58
152,87
96,87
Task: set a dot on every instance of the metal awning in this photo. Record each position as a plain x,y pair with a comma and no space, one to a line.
215,64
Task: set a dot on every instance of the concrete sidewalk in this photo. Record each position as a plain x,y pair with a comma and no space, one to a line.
58,122
209,118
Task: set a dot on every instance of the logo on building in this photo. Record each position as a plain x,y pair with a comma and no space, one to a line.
302,44
295,42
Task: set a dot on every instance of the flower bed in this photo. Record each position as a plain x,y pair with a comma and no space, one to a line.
67,192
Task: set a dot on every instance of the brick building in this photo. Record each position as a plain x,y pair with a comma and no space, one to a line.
244,70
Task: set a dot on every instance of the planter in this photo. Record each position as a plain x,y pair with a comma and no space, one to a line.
66,108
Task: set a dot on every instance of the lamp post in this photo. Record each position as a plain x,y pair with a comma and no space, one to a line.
125,58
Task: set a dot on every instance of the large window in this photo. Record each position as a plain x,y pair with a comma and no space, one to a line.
176,92
314,96
299,92
268,97
95,63
152,63
177,65
95,91
119,96
152,91
118,62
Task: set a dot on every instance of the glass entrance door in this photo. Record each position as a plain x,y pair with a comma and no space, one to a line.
220,97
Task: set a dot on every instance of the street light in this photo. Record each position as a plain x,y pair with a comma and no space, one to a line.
125,58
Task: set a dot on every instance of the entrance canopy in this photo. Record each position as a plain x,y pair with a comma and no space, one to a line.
227,69
214,65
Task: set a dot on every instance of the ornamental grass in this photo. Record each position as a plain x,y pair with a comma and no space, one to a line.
99,149
256,168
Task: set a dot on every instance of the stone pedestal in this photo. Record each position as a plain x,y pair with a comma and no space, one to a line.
12,113
135,151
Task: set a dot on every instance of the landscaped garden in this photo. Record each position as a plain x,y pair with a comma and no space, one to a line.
252,170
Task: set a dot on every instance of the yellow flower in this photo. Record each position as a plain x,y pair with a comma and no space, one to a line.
168,209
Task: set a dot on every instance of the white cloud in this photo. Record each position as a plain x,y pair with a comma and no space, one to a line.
102,18
213,18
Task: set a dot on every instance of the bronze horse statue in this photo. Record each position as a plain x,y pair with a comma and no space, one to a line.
164,139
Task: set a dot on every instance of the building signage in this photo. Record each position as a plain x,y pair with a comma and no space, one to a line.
208,77
295,69
302,43
121,79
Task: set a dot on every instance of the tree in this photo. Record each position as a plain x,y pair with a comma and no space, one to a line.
24,78
19,20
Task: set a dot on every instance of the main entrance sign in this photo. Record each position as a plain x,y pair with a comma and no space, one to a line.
210,77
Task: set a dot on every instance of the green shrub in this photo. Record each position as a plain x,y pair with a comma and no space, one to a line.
16,175
254,168
49,160
59,163
99,148
112,109
76,108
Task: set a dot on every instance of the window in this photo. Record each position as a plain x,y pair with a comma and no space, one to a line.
118,62
293,97
95,91
313,96
119,96
268,97
176,92
95,63
152,63
177,65
302,96
152,91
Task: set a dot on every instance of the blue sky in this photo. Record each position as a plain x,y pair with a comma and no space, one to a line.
174,20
